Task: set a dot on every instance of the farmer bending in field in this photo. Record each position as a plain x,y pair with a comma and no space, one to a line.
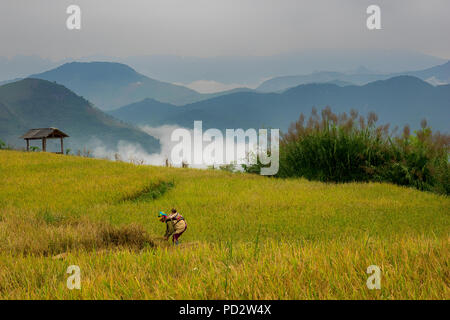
175,225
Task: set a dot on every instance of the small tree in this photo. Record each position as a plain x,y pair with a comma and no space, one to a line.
231,167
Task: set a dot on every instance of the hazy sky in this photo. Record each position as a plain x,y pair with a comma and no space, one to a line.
219,27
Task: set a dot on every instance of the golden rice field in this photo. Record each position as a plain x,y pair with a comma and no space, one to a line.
248,237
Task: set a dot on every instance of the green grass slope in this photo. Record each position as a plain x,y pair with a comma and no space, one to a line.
248,237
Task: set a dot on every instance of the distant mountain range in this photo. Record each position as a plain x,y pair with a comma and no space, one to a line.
244,70
36,103
147,112
399,100
32,103
435,75
250,70
110,85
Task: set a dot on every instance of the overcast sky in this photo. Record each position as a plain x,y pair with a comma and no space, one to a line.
219,27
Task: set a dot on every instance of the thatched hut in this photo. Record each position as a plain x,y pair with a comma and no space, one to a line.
44,134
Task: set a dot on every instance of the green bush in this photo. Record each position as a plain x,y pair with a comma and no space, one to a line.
344,148
231,167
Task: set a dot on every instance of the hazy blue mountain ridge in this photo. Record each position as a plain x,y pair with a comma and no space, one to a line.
110,85
399,100
36,103
437,75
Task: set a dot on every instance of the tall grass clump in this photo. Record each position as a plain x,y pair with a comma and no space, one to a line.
343,148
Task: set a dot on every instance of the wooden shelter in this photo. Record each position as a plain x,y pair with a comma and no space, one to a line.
44,134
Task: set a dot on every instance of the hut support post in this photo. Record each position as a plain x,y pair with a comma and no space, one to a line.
44,144
28,144
62,146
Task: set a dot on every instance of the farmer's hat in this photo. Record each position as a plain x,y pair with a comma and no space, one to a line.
161,214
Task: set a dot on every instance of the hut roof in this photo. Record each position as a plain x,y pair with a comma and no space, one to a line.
44,133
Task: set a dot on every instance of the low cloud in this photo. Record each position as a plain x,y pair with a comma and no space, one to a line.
133,152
